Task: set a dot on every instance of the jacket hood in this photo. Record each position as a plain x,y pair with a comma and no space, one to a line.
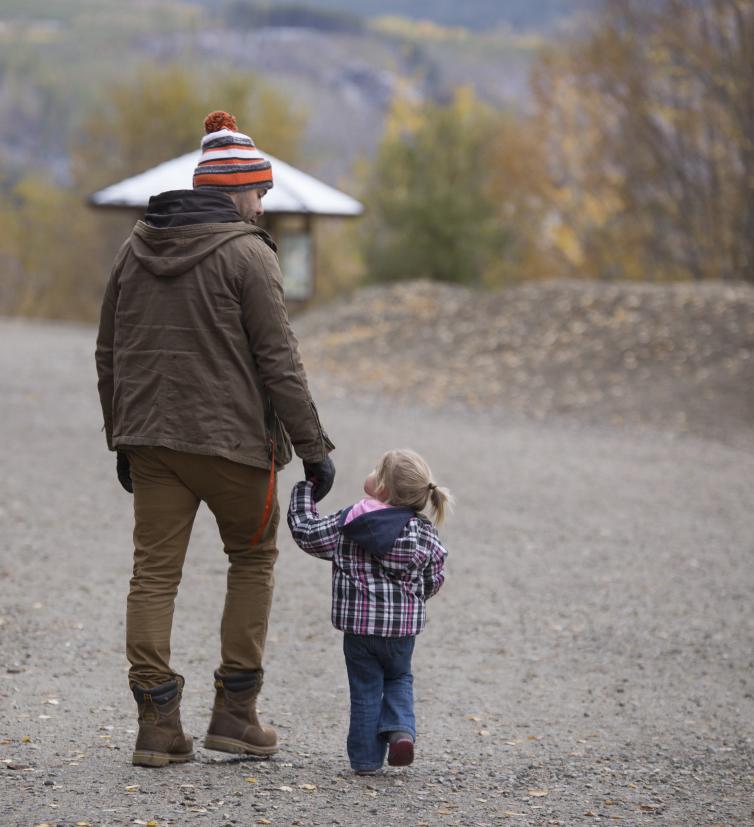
182,227
376,531
179,208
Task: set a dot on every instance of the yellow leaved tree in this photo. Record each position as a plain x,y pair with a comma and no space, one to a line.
648,121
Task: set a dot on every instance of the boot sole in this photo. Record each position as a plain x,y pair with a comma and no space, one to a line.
233,745
145,758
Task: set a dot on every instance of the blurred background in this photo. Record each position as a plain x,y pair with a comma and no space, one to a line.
598,154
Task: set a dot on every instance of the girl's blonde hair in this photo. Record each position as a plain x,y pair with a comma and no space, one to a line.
406,480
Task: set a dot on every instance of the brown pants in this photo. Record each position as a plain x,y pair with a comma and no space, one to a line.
168,487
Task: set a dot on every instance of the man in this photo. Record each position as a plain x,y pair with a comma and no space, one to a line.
203,391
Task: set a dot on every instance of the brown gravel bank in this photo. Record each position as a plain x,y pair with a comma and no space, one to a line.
679,356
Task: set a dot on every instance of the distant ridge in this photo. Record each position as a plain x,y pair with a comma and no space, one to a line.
542,15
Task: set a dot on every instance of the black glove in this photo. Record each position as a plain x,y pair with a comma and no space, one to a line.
322,475
123,469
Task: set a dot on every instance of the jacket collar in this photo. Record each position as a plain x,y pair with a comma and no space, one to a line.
181,208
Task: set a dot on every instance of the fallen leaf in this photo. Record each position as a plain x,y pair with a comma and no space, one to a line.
132,788
153,823
510,814
473,718
251,780
26,740
263,821
538,793
308,786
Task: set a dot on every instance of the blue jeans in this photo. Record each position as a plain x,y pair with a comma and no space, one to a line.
382,695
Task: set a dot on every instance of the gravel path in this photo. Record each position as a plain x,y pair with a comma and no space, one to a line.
589,659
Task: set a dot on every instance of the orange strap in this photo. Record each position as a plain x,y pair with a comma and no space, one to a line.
268,502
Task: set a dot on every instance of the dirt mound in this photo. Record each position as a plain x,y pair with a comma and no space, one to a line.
677,356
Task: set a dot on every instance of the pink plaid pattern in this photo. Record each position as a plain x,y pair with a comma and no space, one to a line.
372,595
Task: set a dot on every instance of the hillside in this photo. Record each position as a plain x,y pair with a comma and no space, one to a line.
677,357
342,80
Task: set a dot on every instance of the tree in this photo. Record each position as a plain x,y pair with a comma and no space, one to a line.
649,121
429,214
50,249
159,115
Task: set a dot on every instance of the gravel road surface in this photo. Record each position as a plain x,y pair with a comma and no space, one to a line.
588,660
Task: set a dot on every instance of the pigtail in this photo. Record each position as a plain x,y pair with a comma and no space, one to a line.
440,502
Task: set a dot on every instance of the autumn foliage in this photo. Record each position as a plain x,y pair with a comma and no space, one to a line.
648,123
636,161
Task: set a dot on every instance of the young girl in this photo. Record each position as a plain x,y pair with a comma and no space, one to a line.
387,561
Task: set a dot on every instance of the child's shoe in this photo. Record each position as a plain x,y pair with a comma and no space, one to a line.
400,751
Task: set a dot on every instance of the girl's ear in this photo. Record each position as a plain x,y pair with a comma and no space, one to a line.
380,493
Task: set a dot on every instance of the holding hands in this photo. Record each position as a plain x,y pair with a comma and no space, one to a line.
322,474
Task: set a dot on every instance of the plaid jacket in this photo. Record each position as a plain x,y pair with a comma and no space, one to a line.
378,592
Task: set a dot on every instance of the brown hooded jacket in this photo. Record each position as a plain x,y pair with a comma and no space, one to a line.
194,351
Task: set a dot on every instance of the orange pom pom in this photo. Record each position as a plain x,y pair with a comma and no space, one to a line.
216,121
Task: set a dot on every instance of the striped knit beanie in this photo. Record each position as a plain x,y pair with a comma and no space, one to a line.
230,162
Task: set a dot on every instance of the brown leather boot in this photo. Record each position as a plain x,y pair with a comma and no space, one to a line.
234,726
161,740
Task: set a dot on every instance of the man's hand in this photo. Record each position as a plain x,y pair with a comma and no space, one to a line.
322,475
123,469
